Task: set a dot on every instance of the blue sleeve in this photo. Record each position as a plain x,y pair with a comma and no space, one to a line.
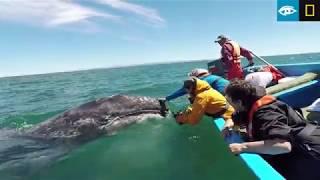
208,79
176,94
217,83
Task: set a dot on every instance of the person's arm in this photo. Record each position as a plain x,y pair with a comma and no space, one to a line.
270,124
271,147
228,124
227,116
194,114
178,93
246,53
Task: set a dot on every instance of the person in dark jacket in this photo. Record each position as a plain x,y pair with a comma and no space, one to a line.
283,137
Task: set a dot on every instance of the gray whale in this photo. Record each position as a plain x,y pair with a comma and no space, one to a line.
57,136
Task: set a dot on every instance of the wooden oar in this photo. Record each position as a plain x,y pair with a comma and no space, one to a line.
266,62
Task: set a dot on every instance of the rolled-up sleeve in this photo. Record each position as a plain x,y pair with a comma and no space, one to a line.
194,114
246,53
228,114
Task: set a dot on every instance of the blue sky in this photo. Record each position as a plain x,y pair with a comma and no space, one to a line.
63,35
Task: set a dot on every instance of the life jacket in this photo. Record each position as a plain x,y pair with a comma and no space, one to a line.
276,74
259,103
235,52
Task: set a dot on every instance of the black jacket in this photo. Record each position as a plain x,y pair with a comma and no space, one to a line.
278,120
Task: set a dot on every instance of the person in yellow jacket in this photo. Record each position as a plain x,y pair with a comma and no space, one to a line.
206,101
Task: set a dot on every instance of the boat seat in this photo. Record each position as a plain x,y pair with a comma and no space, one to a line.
307,77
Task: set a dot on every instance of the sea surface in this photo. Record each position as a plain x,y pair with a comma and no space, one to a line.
155,149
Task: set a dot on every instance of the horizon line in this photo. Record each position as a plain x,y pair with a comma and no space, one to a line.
141,64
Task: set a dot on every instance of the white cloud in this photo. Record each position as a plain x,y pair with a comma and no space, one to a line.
49,12
149,14
71,13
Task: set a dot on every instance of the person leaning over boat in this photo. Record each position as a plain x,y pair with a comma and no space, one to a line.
282,136
231,52
216,82
207,101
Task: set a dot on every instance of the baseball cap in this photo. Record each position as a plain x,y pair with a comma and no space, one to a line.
220,37
198,72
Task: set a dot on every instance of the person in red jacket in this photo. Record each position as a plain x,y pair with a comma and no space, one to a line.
230,57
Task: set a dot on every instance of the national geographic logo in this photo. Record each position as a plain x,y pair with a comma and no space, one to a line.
298,10
309,10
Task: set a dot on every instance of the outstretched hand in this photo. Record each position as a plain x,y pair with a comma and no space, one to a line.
179,118
164,108
237,148
227,127
251,64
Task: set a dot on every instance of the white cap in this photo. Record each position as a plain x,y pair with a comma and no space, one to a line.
198,72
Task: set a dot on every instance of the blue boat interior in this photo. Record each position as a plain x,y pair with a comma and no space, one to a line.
304,94
298,69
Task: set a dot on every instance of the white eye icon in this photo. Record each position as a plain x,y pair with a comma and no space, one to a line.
287,10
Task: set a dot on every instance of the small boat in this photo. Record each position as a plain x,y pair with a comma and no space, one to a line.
299,93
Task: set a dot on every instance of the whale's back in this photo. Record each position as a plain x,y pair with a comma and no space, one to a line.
85,121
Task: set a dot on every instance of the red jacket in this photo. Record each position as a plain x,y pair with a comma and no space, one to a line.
227,54
231,53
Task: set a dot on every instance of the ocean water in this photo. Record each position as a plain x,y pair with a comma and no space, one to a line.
153,149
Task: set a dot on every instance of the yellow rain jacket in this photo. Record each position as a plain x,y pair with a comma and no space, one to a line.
207,101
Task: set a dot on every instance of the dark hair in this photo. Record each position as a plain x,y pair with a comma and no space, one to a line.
245,92
190,84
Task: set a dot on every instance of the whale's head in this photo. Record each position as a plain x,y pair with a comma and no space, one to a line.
102,116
